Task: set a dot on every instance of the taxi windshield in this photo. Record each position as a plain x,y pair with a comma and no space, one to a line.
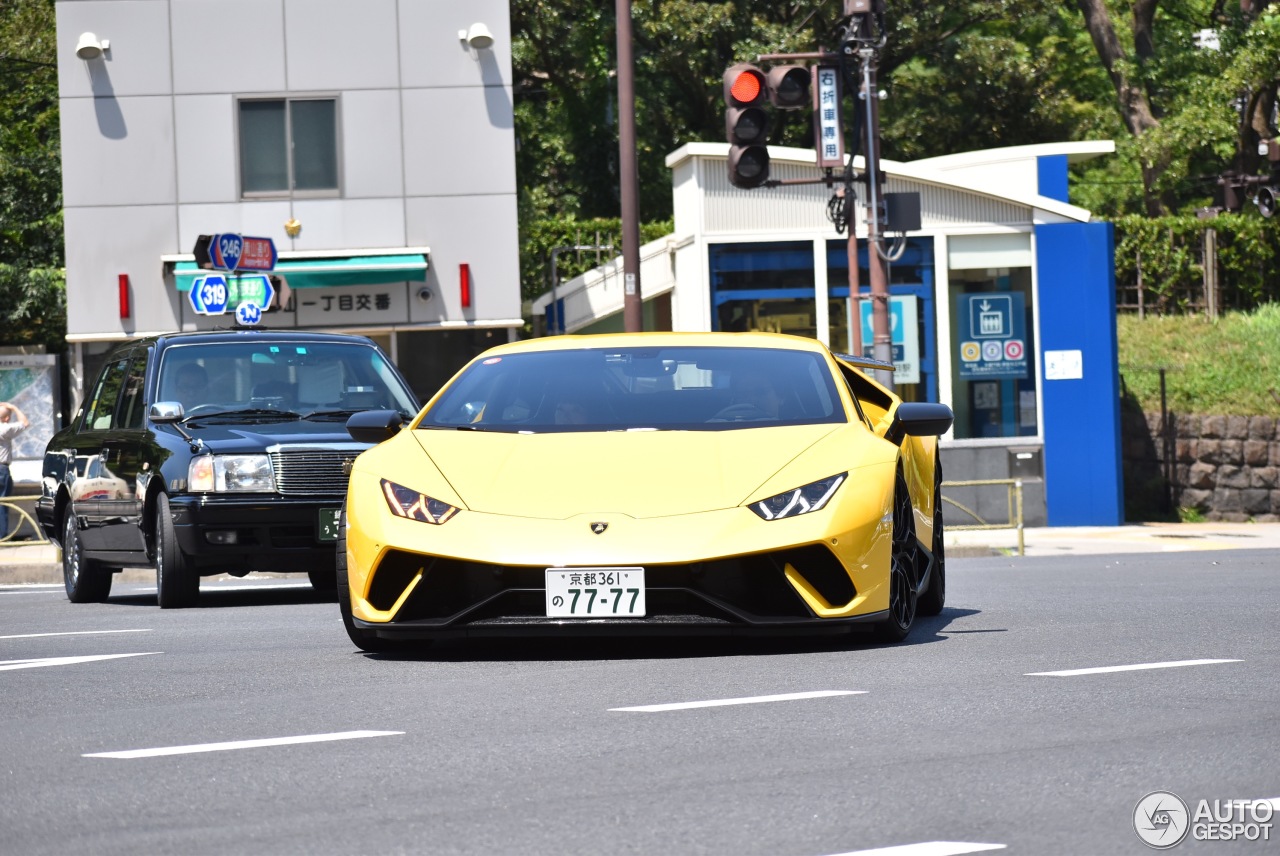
300,378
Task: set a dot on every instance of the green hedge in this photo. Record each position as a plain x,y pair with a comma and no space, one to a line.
1170,250
538,237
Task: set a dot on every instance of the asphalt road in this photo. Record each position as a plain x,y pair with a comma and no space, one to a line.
524,746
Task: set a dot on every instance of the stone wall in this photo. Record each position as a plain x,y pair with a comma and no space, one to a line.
1225,467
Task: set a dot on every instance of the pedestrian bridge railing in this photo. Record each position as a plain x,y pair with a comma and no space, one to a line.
1013,488
19,518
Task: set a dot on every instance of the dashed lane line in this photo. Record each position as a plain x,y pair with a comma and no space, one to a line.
1135,667
73,633
240,744
10,665
928,848
723,702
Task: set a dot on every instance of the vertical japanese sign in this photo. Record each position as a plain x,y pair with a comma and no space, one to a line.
826,110
993,340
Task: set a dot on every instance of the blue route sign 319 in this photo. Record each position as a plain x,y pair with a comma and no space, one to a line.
209,294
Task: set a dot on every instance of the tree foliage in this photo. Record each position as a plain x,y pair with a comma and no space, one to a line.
35,307
30,158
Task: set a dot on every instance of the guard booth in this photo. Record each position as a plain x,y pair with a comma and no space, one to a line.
1002,306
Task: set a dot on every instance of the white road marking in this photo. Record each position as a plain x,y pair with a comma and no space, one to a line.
722,702
8,665
72,633
13,587
928,848
1172,664
240,744
220,587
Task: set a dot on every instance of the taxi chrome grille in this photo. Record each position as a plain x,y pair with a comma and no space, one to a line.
312,471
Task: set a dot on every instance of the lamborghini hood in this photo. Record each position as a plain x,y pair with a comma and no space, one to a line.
637,473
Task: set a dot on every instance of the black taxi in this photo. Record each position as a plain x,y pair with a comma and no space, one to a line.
209,453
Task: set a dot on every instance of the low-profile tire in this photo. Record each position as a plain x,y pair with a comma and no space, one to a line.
87,581
904,563
935,596
177,582
363,639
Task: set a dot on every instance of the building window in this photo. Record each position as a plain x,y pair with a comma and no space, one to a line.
763,286
289,146
993,377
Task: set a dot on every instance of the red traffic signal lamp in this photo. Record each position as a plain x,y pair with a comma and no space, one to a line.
746,125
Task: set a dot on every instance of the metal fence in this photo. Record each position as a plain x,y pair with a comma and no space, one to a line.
1014,489
19,516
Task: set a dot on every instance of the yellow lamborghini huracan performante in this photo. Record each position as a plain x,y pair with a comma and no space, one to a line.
646,483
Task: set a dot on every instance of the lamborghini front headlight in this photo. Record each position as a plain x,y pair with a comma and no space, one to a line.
801,500
413,505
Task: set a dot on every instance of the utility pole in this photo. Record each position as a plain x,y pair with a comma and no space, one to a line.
632,306
863,39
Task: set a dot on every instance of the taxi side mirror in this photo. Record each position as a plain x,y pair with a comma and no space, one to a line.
374,426
165,411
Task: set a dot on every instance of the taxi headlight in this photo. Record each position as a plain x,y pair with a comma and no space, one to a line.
231,474
413,505
801,500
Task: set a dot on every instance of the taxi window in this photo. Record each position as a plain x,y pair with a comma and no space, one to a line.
129,414
98,414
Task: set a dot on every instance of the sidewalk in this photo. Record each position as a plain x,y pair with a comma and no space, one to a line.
42,563
1130,538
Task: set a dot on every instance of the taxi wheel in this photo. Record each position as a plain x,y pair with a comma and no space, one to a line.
935,597
363,639
86,580
903,564
177,583
323,580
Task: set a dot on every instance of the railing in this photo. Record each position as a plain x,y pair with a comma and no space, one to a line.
17,516
1014,487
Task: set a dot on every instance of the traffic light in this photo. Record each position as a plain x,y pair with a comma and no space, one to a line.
746,124
1266,200
788,87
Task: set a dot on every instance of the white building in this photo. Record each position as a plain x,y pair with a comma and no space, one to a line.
373,142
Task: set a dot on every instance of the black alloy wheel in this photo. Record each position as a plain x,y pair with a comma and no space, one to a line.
86,580
935,596
904,563
177,583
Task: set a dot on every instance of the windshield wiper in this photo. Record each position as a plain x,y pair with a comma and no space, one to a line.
334,412
243,412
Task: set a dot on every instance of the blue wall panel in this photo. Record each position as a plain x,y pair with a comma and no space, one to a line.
1084,485
1051,175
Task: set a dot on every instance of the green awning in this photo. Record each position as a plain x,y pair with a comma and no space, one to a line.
336,270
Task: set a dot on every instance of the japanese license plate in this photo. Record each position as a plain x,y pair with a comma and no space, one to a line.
328,526
595,592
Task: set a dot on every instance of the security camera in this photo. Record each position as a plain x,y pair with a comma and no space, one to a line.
424,294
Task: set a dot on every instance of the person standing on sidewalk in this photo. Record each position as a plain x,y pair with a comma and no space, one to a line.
8,430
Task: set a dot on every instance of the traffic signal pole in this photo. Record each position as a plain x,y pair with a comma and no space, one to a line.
628,174
877,258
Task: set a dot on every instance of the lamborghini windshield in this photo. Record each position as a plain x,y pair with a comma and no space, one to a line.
640,388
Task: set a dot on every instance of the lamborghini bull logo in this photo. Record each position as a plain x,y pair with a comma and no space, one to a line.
599,527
